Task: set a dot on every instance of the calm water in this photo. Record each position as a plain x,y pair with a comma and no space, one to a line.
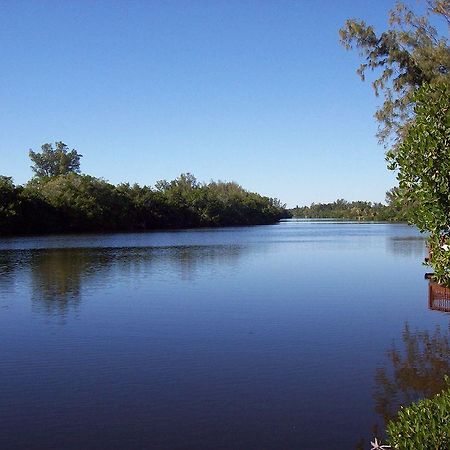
271,337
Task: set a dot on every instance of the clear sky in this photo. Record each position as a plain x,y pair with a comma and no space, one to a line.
255,91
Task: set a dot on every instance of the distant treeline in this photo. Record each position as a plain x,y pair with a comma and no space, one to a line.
71,202
341,209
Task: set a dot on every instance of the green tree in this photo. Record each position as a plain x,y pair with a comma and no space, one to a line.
8,203
408,54
422,160
51,162
84,203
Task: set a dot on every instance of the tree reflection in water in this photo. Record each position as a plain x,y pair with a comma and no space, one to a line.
415,372
59,276
9,262
407,246
56,278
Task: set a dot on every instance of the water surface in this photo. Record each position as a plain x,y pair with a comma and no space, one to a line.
266,337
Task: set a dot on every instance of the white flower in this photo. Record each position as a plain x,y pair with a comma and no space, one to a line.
377,445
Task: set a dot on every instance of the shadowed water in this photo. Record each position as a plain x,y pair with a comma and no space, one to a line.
267,337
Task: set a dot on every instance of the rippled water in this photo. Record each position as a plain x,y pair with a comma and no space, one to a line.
270,337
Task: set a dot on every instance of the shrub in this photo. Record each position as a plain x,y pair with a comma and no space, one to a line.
424,425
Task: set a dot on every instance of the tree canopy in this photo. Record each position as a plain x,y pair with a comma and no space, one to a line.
359,210
66,202
410,53
51,162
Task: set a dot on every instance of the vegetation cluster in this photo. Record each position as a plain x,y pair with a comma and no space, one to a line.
422,159
359,210
424,425
60,199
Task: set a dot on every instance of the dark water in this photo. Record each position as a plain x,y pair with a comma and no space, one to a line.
289,336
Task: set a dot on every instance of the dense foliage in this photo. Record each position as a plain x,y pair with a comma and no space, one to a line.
422,160
341,209
74,202
424,425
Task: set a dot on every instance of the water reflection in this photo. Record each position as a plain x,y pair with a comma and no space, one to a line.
188,261
207,333
407,245
58,277
10,262
415,371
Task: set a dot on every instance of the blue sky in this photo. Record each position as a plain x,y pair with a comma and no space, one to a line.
259,92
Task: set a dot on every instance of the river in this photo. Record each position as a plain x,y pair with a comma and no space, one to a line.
285,336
